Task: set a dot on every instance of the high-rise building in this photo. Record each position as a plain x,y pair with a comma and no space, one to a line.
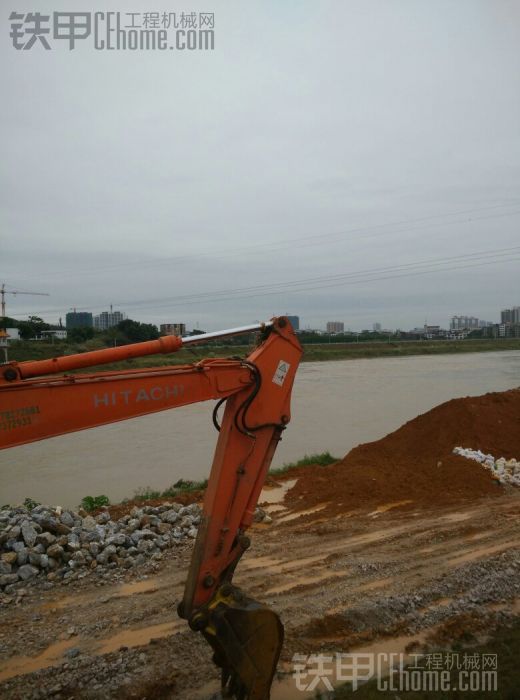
506,316
464,323
78,319
178,329
376,327
295,322
510,315
108,319
335,327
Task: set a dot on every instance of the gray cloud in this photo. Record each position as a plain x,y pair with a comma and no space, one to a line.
129,177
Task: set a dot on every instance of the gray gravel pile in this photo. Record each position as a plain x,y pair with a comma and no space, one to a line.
57,544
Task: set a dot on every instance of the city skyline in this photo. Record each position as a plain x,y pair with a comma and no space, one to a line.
107,319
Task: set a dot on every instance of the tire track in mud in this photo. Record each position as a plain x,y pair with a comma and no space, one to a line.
362,561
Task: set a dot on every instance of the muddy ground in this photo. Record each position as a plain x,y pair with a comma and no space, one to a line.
402,547
391,578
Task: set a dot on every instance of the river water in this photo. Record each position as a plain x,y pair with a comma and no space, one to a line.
336,405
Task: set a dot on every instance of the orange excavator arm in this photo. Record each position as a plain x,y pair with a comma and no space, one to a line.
37,400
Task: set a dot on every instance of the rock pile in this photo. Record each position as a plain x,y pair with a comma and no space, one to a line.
61,544
506,471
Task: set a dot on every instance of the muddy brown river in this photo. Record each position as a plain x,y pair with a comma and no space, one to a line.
336,405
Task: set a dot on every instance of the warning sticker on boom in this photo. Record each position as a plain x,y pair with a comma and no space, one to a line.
281,373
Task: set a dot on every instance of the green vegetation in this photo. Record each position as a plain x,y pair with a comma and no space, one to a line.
313,352
404,348
29,503
182,486
146,493
186,485
33,327
80,335
505,644
133,332
322,459
92,503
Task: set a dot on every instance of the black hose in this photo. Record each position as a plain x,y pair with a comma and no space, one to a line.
214,417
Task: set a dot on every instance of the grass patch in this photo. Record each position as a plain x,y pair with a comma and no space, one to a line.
320,459
182,486
146,493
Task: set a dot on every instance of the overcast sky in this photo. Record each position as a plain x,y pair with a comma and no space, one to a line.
318,140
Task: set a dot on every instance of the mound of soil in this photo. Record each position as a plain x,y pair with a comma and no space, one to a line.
416,462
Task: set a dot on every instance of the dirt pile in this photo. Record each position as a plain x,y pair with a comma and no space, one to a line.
416,462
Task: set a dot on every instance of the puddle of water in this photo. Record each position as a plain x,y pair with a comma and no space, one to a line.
258,563
275,508
283,567
456,517
272,567
276,494
293,516
444,601
482,552
304,581
208,690
337,609
374,585
285,688
139,637
388,506
511,606
371,586
52,656
476,536
147,586
439,603
65,602
395,645
126,589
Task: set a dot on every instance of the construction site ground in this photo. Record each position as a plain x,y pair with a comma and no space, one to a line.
400,547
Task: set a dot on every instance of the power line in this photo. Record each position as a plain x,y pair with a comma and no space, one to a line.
500,252
334,284
416,268
301,241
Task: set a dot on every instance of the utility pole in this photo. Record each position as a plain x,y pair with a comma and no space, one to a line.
3,344
4,291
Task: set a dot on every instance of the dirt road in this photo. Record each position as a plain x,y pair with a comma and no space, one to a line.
401,547
390,578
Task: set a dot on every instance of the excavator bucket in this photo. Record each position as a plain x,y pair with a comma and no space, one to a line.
246,638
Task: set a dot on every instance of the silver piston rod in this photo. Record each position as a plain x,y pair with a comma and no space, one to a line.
241,330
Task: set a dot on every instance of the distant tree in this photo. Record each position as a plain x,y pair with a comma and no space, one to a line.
478,333
135,332
8,322
80,334
32,328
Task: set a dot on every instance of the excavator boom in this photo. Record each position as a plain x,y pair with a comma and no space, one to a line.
38,401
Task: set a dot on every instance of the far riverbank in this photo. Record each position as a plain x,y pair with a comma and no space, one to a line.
313,352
